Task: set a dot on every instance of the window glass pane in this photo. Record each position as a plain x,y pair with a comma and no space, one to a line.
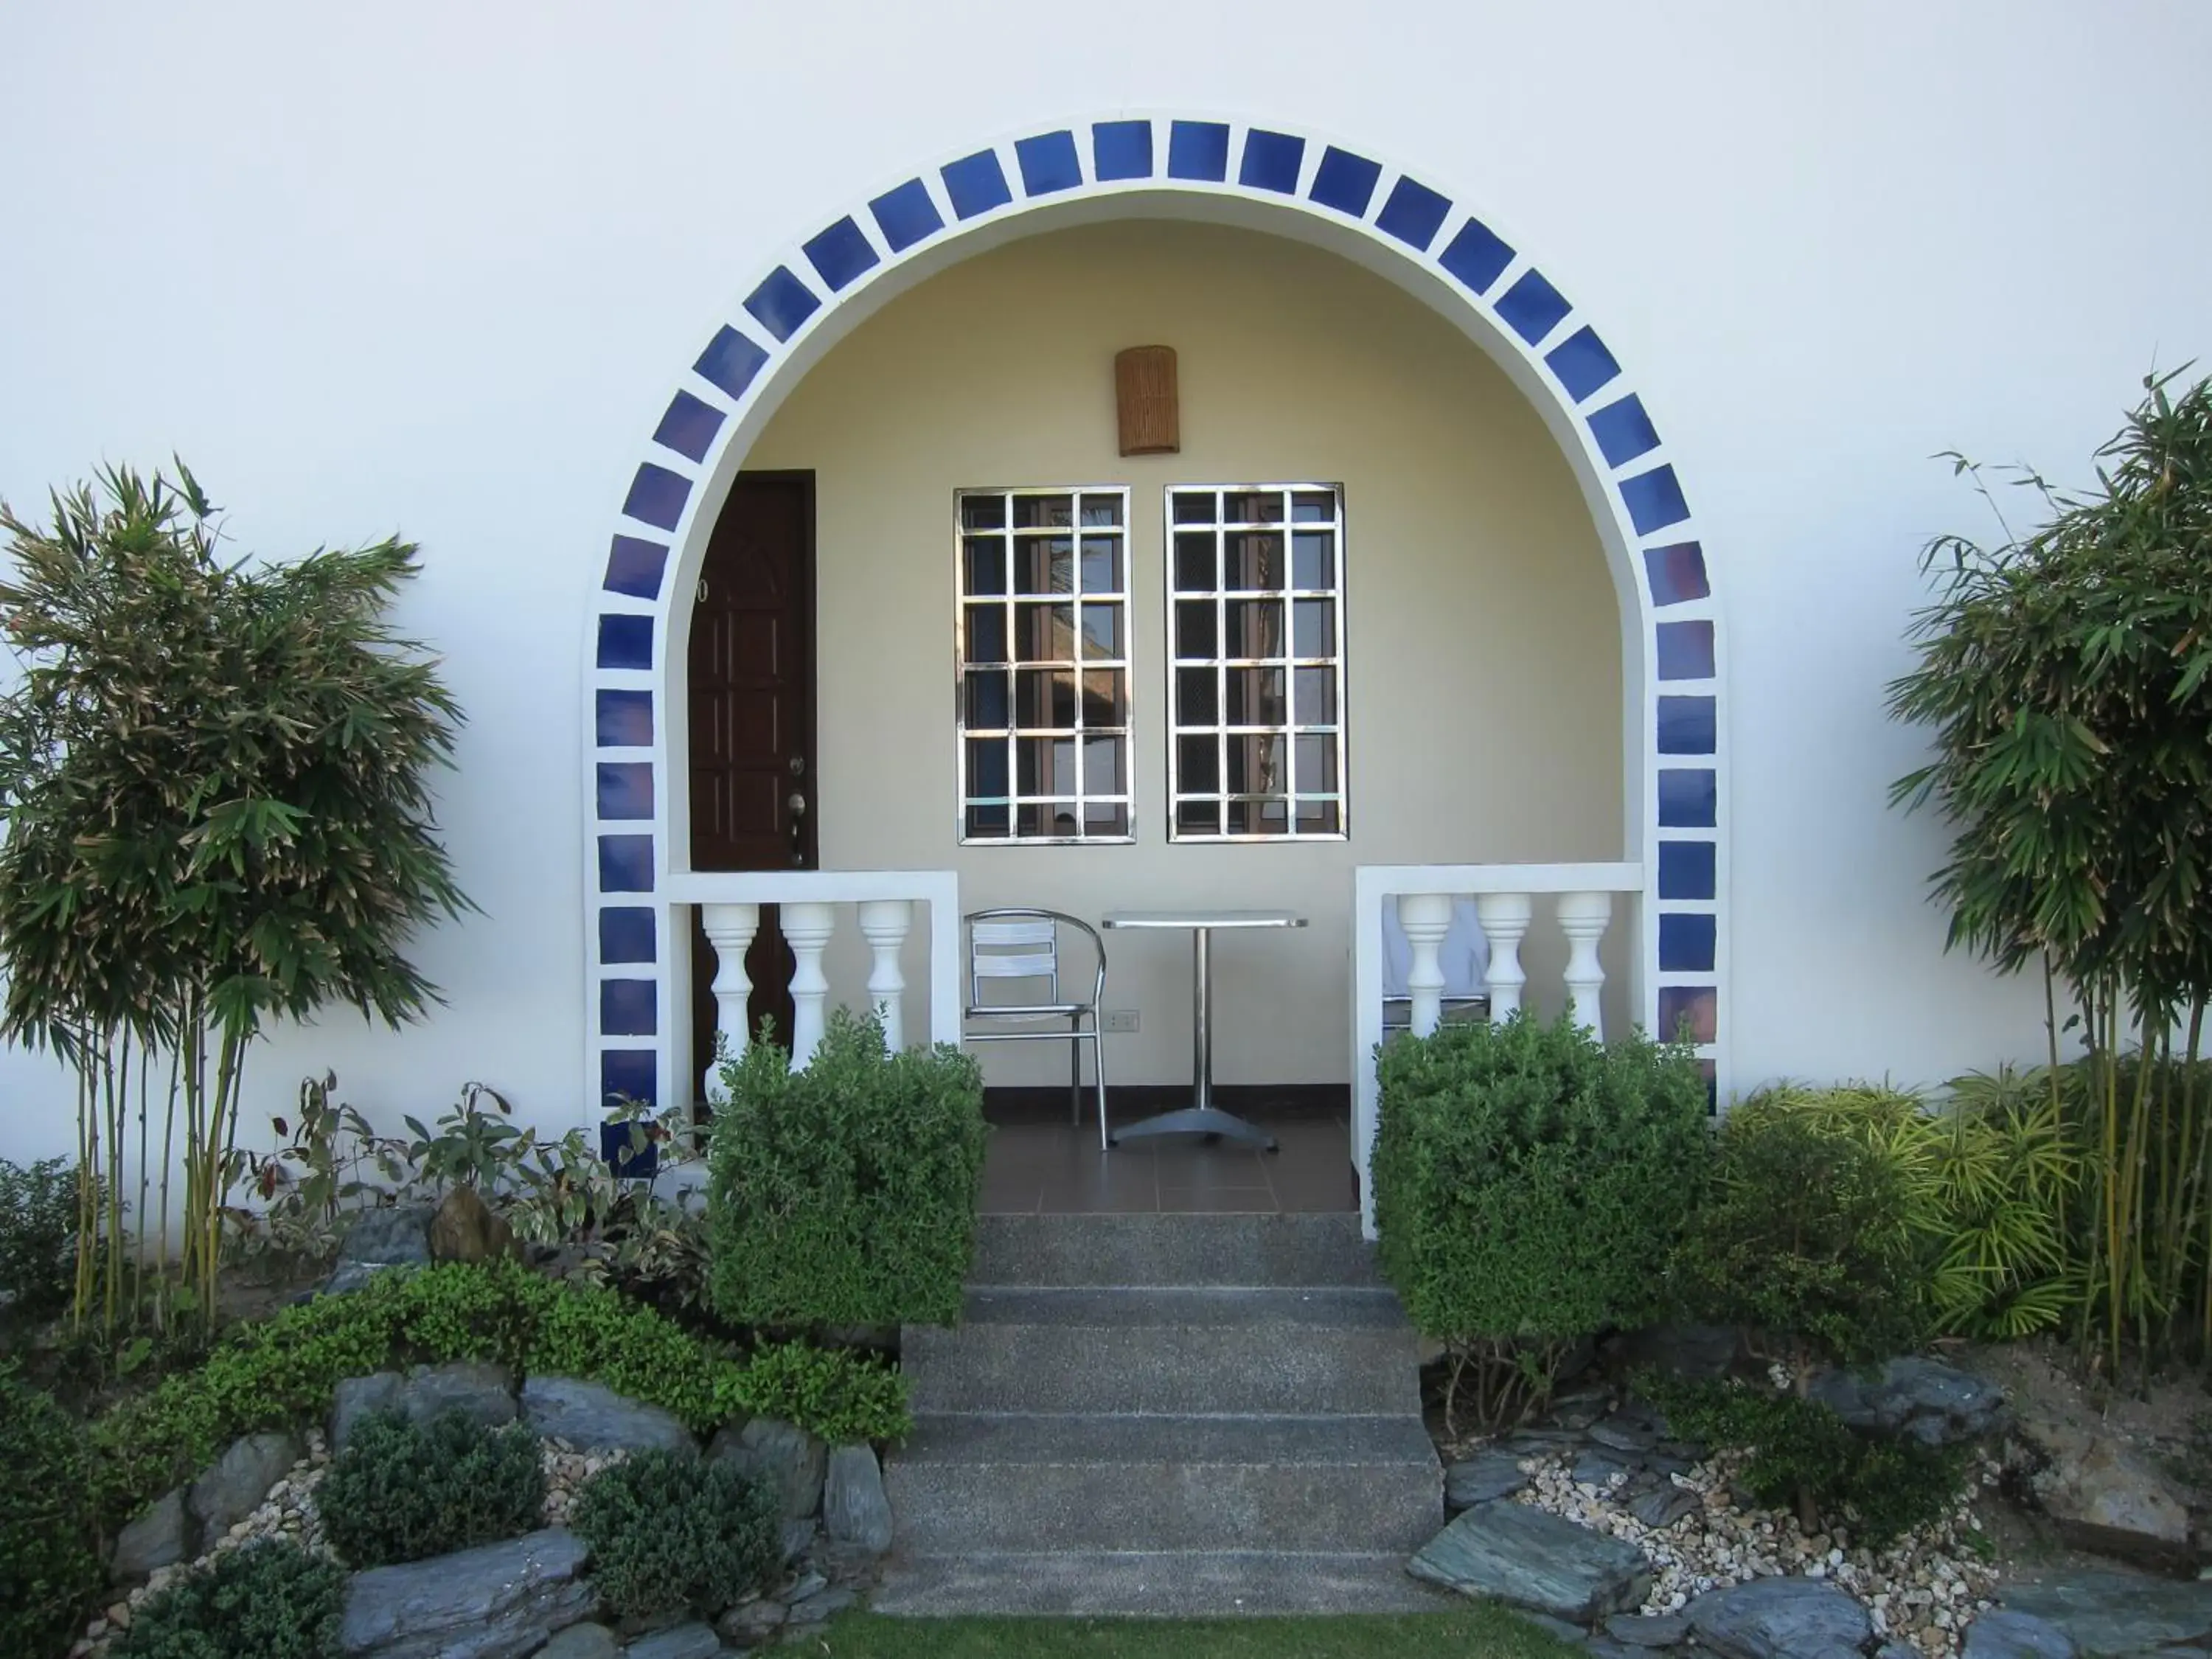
1044,633
1198,763
982,511
1044,564
1194,628
1044,696
1252,507
1313,506
1044,766
1253,561
986,565
1256,765
1102,765
1255,628
1193,563
1313,559
987,766
1198,817
1105,697
1258,817
1193,507
1317,817
988,822
1196,703
1044,512
986,633
1042,818
1102,564
1101,632
1255,697
1312,623
1102,509
989,698
1105,817
1317,759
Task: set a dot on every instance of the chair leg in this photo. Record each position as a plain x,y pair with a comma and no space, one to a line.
1075,1071
1098,1075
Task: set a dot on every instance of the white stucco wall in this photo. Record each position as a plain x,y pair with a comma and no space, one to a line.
434,270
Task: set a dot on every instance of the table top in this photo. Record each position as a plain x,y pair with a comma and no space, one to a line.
1201,918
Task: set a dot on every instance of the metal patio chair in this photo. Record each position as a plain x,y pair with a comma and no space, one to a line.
1010,948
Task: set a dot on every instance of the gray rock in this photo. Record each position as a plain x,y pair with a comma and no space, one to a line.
693,1641
1517,1554
1925,1398
582,1642
161,1537
379,1239
592,1417
1635,1630
2106,1615
1558,1627
1623,1433
797,1538
1897,1650
2003,1633
828,1605
753,1622
809,1583
1663,1506
1597,1469
1781,1619
2104,1497
853,1508
793,1459
482,1393
1481,1478
497,1601
240,1478
1705,1351
356,1397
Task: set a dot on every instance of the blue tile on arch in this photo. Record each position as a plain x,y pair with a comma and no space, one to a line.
1477,256
840,253
634,566
1048,162
1677,573
627,1008
1120,149
1271,160
657,497
1689,797
782,303
625,641
688,427
1685,650
1414,214
1688,940
624,790
1199,150
625,864
1623,431
907,215
1582,363
1687,869
1344,181
628,1074
626,934
731,361
976,184
1653,499
624,720
1688,726
1532,307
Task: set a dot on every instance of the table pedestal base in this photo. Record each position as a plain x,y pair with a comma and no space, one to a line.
1196,1120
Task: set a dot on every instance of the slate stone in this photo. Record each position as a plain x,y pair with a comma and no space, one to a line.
582,1642
1597,1469
2106,1615
1517,1554
1558,1627
793,1459
159,1537
692,1641
752,1622
1482,1478
797,1538
496,1601
1663,1506
1897,1650
2004,1633
1623,1434
1637,1630
2107,1497
809,1583
1924,1399
1780,1618
482,1393
828,1605
398,1237
592,1418
854,1510
356,1397
240,1478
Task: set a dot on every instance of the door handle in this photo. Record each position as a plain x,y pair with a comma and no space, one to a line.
797,804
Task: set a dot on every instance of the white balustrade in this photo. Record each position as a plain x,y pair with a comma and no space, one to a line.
810,906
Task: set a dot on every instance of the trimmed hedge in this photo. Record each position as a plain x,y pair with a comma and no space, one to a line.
403,1491
50,1575
673,1535
268,1600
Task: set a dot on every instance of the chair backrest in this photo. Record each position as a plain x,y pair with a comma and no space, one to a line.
1018,945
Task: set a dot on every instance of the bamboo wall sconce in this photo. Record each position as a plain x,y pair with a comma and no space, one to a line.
1144,397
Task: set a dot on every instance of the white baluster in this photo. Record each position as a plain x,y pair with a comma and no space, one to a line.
806,929
1583,918
884,923
730,929
1425,918
1504,918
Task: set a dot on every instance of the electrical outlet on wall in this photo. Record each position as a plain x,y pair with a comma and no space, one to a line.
1121,1019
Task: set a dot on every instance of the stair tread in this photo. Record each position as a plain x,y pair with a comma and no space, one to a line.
1188,1583
1086,1437
1212,1307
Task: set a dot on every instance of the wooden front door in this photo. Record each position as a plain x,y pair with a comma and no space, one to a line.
752,688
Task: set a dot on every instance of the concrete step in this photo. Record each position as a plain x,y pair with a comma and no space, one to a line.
1029,1482
1182,1584
1177,1351
1067,1250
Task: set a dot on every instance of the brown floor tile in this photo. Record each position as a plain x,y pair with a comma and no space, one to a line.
1030,1166
1218,1200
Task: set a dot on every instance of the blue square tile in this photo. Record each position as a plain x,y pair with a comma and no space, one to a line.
1623,430
1343,181
1122,150
1583,362
1653,499
634,566
689,427
625,642
657,497
626,934
1677,573
1687,726
1414,214
626,1007
1687,942
628,1074
730,361
782,303
1688,798
976,184
840,254
1476,257
1048,162
1271,160
625,864
1696,1006
1685,650
625,789
1686,869
907,215
625,719
1197,150
1532,307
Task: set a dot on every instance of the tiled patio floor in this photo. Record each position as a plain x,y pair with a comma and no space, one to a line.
1050,1167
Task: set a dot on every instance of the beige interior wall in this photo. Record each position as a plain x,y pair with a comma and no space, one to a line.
1483,651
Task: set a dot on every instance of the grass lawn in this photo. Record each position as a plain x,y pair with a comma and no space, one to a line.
1488,1631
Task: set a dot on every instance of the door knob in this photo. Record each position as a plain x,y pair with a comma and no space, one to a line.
797,804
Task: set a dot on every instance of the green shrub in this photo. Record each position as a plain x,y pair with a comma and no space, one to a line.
671,1534
1805,1456
50,1574
405,1492
1808,1234
37,1238
1527,1181
845,1194
265,1601
835,1394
